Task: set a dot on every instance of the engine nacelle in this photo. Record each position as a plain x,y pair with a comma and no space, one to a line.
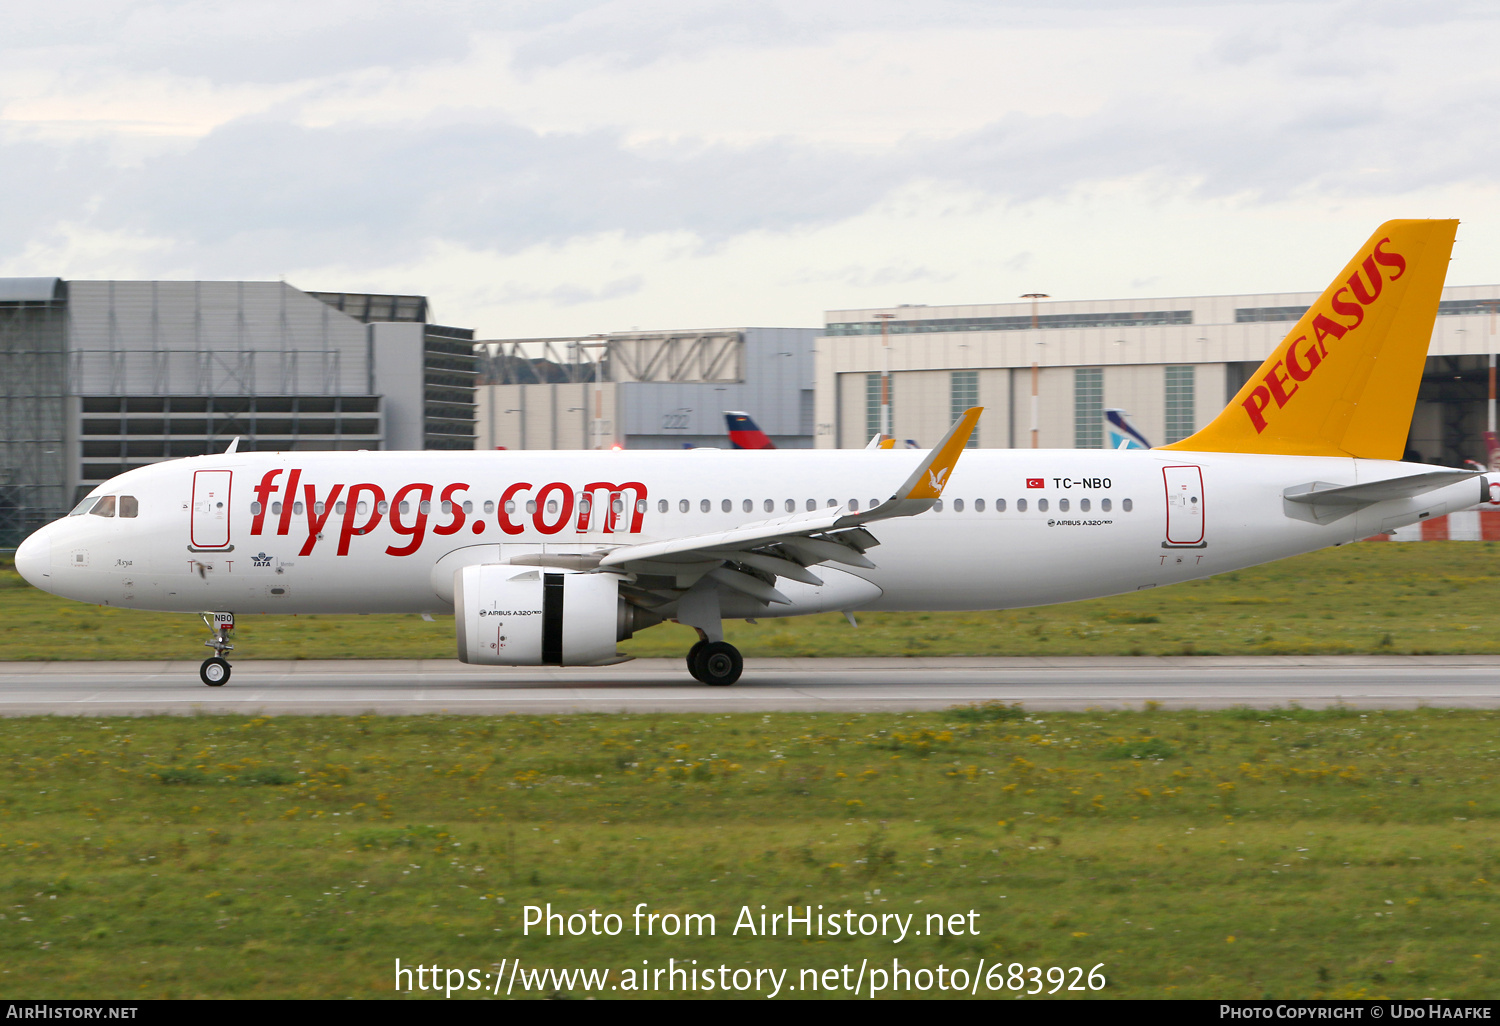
525,616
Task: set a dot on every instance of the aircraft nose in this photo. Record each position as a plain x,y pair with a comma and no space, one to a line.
34,558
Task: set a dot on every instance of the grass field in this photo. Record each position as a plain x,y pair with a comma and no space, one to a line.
1434,597
1231,854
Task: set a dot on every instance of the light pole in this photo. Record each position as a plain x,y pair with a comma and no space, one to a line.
598,390
1035,370
885,375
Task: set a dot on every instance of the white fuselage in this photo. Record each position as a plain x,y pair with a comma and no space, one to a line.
223,533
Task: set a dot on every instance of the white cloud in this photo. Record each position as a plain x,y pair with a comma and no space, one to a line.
549,168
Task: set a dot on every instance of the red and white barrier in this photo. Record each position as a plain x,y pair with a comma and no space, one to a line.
1467,525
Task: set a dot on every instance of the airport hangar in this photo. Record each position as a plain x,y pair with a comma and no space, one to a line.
103,376
1173,364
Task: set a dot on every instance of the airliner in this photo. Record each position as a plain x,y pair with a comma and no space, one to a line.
551,558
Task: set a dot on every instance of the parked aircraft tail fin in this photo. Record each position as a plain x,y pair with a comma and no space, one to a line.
1344,380
744,433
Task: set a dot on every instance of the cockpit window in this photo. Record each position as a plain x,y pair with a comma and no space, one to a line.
105,507
128,506
84,506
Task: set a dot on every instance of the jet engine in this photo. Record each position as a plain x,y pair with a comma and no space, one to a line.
525,616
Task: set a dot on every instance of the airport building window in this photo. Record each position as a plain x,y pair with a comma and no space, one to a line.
1179,395
872,404
963,393
1022,322
1088,408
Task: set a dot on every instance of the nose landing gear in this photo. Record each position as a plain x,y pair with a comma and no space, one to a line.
215,669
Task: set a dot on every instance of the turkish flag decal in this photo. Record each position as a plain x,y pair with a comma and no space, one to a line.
1036,482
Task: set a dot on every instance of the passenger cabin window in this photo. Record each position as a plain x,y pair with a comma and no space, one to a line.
791,505
748,505
978,505
937,505
661,506
1083,504
1000,506
1020,505
1041,505
489,506
105,507
770,506
683,506
854,505
1104,504
254,509
812,504
276,508
1127,505
958,505
1062,504
726,505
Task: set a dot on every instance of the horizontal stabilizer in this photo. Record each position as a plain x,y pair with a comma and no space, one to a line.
1322,503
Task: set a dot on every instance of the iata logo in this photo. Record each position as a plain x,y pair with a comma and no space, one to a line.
362,508
1302,357
261,559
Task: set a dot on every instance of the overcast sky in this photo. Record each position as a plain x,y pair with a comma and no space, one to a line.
569,166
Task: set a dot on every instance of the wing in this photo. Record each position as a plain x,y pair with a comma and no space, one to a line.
749,558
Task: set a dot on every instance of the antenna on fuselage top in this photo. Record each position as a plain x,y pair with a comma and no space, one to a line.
233,446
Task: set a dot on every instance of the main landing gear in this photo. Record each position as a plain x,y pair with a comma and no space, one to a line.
215,669
715,662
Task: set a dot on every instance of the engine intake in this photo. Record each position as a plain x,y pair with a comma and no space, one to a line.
515,616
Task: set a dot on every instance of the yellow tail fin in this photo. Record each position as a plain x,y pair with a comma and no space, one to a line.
1344,380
